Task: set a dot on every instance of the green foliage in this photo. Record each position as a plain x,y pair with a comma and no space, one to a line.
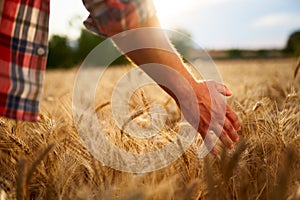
261,53
293,44
60,52
63,54
234,53
182,42
86,43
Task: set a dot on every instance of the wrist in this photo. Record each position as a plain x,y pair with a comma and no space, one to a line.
180,86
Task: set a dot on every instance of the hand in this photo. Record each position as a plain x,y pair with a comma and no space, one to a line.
176,80
215,113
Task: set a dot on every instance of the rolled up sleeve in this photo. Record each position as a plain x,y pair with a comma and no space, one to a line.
23,57
109,17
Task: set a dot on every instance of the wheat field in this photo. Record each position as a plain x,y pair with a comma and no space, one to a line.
47,160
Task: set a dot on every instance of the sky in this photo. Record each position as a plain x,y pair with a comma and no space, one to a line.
213,24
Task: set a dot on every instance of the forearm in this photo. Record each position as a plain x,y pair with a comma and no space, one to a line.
192,97
165,55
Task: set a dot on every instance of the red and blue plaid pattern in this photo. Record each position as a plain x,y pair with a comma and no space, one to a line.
24,45
109,17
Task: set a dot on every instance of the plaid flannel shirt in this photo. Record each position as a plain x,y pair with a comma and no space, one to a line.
24,45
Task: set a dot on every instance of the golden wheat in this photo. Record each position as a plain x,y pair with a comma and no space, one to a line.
48,160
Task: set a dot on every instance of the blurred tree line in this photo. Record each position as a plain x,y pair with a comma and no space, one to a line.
64,53
291,49
293,44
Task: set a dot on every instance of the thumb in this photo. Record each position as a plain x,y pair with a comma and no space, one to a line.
223,89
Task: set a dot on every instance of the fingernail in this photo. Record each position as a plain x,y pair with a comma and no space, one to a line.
239,127
236,139
213,151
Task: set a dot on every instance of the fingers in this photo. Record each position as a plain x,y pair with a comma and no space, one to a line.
229,130
226,131
209,143
230,114
226,140
233,118
221,132
225,125
223,89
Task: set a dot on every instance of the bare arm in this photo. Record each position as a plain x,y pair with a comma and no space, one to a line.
180,82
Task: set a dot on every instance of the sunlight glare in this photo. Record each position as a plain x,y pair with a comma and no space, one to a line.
168,10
